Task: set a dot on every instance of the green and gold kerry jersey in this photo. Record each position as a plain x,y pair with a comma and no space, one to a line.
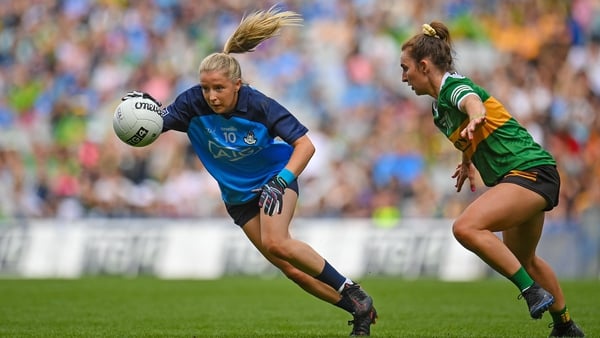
500,145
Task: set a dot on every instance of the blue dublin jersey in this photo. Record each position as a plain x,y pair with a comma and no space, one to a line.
243,149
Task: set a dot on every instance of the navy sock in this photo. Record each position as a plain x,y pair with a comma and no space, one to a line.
346,304
331,277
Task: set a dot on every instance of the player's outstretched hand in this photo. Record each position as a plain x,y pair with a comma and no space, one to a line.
473,126
271,196
464,171
135,93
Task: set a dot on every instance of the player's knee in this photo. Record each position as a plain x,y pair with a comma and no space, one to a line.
276,249
463,232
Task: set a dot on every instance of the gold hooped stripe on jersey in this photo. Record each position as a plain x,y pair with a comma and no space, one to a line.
496,116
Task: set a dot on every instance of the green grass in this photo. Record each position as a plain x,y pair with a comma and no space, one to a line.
254,307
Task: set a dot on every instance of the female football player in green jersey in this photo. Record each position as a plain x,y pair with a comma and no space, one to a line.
522,176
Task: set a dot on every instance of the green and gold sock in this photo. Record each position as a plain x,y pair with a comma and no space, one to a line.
522,279
561,316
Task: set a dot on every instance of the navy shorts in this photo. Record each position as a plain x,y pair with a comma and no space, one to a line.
543,180
242,213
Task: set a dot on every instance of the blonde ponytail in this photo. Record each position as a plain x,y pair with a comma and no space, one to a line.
258,27
252,30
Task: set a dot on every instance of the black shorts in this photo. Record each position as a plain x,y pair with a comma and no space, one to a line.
242,213
543,180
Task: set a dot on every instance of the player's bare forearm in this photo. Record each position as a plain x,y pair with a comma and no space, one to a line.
303,152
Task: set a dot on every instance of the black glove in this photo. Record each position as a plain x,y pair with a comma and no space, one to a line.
271,196
135,93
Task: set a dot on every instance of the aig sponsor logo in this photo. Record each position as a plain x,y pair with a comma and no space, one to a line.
230,153
138,137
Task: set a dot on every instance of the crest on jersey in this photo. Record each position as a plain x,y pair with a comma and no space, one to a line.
250,138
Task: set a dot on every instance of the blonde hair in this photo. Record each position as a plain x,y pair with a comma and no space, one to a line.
252,30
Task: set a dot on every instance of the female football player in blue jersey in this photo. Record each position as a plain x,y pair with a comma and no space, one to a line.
255,149
522,176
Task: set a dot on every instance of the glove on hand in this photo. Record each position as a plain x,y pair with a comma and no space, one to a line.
271,196
135,93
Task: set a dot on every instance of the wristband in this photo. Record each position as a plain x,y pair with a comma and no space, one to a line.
287,176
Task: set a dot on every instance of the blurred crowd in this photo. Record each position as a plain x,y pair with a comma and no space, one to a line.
65,64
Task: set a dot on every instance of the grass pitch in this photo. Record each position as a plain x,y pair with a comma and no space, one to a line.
255,307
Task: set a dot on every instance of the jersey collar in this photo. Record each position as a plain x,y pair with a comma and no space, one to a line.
444,80
243,97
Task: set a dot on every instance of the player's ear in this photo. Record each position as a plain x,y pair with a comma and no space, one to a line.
423,66
237,84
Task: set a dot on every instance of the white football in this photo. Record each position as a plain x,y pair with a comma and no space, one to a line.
137,121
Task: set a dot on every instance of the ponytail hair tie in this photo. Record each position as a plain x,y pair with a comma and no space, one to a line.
429,31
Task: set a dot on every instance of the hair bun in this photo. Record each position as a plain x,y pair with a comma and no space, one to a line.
429,31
